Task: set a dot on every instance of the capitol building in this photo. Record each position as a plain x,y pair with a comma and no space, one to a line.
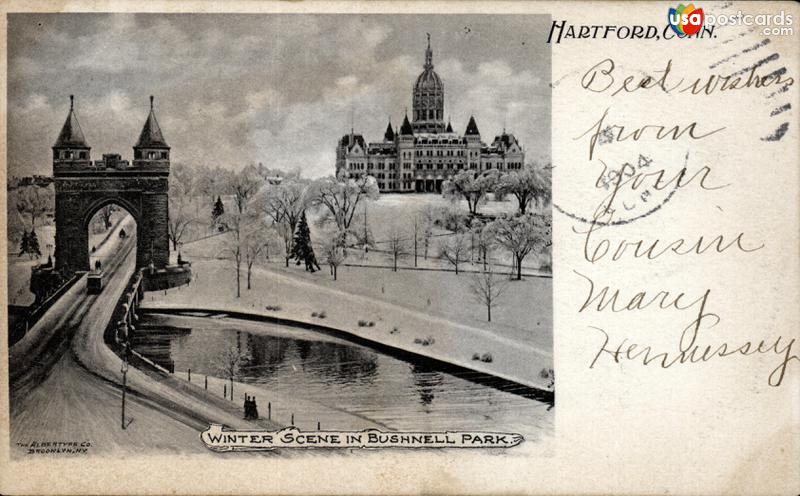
425,152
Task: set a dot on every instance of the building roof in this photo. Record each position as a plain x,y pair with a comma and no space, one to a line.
472,128
389,134
406,129
151,136
71,135
449,128
350,140
505,140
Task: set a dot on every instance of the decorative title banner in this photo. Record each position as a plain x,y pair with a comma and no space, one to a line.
217,438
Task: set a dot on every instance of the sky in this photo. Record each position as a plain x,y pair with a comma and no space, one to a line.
279,89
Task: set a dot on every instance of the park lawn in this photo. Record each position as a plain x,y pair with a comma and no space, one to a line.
524,312
519,354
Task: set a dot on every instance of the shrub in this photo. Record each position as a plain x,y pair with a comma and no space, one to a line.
366,323
322,314
371,324
273,308
486,357
476,356
394,330
425,342
313,314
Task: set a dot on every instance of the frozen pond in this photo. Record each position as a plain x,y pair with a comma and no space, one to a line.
343,375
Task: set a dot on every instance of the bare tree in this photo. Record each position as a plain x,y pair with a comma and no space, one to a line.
455,250
244,185
429,214
339,197
531,185
484,241
397,245
181,188
284,204
230,363
487,289
255,244
333,252
106,213
470,186
180,219
233,244
34,201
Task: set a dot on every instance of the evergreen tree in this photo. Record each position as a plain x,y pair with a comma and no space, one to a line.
33,245
217,213
302,251
219,209
24,243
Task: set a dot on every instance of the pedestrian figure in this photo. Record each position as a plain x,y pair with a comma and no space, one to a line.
97,265
250,408
246,407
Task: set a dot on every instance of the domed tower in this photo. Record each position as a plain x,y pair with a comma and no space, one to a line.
428,98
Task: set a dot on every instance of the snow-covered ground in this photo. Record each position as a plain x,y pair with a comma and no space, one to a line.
19,268
520,349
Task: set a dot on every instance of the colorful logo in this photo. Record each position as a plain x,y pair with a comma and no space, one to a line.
686,20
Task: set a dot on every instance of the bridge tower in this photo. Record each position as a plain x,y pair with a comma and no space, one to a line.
83,187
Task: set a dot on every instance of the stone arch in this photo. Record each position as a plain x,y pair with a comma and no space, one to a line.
98,204
78,197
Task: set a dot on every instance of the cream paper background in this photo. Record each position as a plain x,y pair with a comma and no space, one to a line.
713,428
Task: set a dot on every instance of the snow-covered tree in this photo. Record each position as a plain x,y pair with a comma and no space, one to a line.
339,197
522,234
530,185
244,185
284,204
470,186
34,201
333,252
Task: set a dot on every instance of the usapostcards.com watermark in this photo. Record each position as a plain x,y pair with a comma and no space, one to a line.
779,24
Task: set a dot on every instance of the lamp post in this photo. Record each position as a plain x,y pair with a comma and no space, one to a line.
124,371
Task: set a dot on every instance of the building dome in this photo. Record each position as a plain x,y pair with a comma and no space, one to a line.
428,98
428,81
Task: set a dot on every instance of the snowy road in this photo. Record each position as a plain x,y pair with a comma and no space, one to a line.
63,401
66,383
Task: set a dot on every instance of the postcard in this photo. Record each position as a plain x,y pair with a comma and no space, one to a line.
347,247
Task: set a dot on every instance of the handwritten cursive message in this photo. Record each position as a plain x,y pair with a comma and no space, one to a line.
633,190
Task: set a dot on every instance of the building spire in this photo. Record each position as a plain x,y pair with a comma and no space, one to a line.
71,135
151,103
428,54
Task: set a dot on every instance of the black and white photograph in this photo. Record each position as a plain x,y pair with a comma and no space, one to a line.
297,223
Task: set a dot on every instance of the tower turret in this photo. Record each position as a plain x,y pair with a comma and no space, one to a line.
151,151
70,150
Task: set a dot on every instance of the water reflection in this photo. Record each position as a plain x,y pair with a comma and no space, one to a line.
427,381
339,375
